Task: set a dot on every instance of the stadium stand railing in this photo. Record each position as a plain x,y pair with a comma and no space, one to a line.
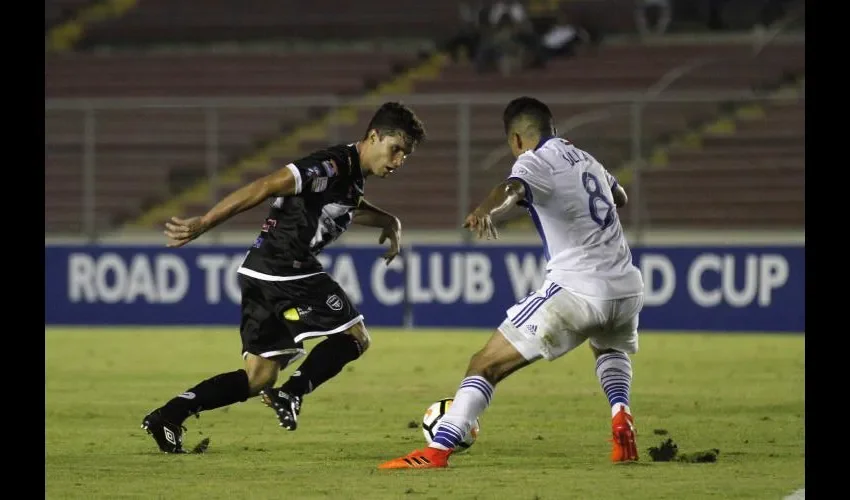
168,145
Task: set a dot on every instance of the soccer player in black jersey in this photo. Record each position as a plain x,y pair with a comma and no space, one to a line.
286,296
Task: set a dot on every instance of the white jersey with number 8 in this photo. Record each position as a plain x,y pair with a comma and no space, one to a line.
569,197
592,290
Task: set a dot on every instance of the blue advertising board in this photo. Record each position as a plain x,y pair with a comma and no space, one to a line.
722,288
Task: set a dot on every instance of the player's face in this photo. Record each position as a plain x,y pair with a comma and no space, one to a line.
388,152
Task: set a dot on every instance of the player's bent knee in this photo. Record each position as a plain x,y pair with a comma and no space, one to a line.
261,379
361,335
261,372
496,360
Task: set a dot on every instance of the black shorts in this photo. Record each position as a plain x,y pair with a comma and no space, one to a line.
277,316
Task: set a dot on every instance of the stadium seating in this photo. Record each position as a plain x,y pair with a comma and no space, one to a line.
169,146
163,21
425,193
752,175
145,155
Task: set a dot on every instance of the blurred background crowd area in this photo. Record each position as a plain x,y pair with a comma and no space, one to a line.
156,108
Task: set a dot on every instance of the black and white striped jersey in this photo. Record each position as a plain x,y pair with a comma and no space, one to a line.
328,188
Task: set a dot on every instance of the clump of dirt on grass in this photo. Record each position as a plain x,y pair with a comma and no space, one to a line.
202,446
668,451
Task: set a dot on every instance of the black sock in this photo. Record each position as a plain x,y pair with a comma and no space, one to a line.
322,364
222,390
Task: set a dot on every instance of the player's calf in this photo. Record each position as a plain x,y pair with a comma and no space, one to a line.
614,370
324,362
165,423
486,368
496,360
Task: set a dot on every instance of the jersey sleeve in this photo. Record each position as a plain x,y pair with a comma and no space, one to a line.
536,179
313,172
612,181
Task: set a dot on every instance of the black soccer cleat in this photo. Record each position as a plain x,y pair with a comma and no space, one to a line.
285,405
168,436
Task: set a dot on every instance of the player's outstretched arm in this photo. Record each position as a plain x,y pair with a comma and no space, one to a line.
279,183
500,200
370,215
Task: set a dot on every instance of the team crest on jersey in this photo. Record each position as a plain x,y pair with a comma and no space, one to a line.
334,302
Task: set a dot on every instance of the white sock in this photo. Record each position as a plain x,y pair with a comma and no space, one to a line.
616,409
470,401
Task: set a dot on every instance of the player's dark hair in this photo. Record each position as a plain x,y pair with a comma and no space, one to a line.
393,118
532,111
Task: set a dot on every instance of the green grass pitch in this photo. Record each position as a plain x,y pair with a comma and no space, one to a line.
544,437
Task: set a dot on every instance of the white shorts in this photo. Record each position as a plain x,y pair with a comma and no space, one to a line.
553,321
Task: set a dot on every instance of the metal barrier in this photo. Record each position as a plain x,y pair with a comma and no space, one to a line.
80,133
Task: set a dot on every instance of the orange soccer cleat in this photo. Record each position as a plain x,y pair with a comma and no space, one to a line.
624,448
426,458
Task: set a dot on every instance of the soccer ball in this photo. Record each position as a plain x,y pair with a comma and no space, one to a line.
432,418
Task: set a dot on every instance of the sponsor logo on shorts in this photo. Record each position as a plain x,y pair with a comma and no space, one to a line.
334,302
295,313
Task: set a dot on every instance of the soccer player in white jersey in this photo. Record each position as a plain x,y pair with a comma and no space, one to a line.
591,291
